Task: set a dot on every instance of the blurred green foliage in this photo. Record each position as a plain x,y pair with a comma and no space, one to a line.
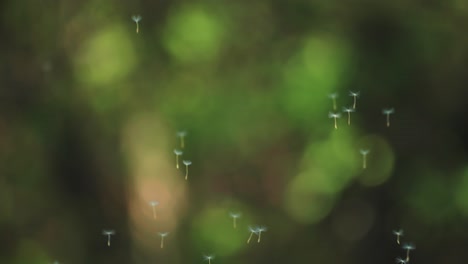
89,110
210,229
319,67
193,35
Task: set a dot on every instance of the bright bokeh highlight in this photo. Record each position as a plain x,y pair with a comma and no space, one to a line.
380,160
328,167
105,58
318,68
212,229
194,34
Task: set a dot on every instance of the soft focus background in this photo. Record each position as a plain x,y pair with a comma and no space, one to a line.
89,111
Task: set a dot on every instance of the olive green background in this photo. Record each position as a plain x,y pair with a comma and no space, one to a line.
89,111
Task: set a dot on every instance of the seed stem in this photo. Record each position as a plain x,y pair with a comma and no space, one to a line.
250,237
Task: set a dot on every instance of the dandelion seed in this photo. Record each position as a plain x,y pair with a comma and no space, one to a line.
348,110
334,116
355,95
398,234
208,258
186,163
177,152
182,134
259,231
364,153
333,96
163,235
388,112
153,205
252,230
408,247
400,261
108,233
136,19
234,217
